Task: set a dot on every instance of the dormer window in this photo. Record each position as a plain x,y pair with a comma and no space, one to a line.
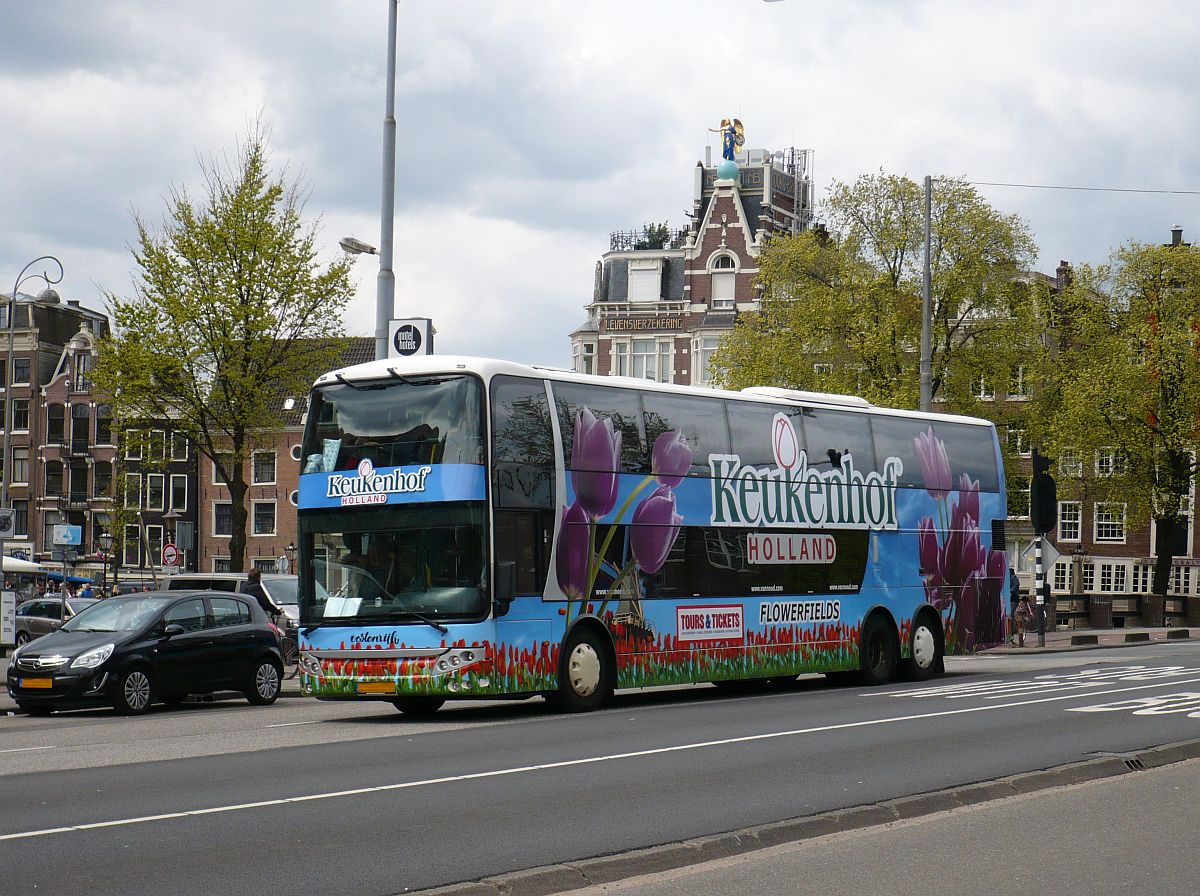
645,280
724,282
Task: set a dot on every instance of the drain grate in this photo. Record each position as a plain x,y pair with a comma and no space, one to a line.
1135,764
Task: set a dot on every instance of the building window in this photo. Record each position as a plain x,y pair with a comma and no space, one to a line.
584,357
1089,577
1062,576
706,347
20,466
646,359
54,478
103,424
155,488
179,491
822,371
1018,441
102,481
132,553
1181,580
264,468
645,281
179,446
1143,574
1109,462
1110,522
1112,578
294,498
21,519
156,444
983,389
221,564
133,491
1016,384
227,461
79,482
1069,463
20,371
296,449
264,564
724,286
81,426
1020,493
1069,520
264,517
83,370
133,444
222,518
20,415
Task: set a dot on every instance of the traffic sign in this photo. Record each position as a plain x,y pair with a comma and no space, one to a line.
170,555
1049,555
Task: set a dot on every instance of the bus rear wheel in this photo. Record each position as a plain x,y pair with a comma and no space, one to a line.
926,650
878,652
584,675
418,707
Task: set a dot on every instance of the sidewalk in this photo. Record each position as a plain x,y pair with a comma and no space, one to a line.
1096,638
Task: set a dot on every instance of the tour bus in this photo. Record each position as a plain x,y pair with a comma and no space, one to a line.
476,528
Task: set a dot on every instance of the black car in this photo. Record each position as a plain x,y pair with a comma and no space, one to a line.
158,646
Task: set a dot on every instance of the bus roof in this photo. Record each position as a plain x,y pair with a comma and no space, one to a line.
487,368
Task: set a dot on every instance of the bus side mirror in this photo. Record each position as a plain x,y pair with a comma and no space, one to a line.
506,585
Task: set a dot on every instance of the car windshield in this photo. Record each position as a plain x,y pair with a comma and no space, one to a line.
78,605
118,614
282,591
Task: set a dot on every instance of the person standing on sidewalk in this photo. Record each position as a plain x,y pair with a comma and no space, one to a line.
1021,617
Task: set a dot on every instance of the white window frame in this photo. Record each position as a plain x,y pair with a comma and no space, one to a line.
220,563
724,290
1018,440
254,505
162,490
125,491
1070,514
25,403
1062,576
980,387
822,369
20,467
1089,578
1104,515
1109,462
626,361
216,473
156,436
1143,578
1069,465
1017,387
133,444
704,346
174,478
134,559
155,537
644,283
179,439
254,480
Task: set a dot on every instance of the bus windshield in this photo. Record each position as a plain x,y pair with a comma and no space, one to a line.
395,423
372,567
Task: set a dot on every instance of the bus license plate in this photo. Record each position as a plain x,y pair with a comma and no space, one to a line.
376,687
35,682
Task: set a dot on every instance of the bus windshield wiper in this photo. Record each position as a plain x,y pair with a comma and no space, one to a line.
433,623
356,387
401,377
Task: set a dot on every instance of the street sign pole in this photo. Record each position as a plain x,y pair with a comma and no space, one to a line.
1038,578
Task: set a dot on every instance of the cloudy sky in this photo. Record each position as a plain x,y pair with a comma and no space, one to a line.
528,131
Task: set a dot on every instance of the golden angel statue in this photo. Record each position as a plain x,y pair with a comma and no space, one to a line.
733,135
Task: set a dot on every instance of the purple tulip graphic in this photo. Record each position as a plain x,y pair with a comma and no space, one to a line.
572,553
595,460
671,459
655,528
935,466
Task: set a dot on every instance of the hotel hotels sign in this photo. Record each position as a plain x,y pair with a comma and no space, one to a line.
642,324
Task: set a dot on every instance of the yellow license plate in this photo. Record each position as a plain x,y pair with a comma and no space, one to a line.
376,687
35,683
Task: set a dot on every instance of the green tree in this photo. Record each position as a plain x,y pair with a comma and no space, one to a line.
841,308
1128,391
231,311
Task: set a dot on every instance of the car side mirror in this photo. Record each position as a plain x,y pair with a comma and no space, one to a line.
172,630
506,585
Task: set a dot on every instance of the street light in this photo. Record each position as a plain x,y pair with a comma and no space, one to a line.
385,295
46,297
290,550
104,542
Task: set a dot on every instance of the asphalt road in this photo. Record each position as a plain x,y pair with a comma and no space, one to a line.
353,798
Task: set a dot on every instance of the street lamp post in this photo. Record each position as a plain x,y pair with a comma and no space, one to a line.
48,297
290,550
104,542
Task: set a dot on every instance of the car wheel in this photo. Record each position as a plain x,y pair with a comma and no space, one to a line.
418,707
926,649
265,683
584,675
22,638
878,652
135,692
36,709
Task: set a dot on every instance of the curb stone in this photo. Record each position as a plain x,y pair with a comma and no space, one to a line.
563,878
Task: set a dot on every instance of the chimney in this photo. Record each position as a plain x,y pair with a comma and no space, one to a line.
1176,235
1062,275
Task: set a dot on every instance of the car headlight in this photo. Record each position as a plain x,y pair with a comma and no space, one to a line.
93,658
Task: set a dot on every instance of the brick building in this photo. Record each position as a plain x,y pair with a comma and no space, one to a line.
663,298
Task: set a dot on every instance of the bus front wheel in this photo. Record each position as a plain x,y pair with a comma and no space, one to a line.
584,675
878,652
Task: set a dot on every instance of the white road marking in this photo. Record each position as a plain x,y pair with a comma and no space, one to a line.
294,724
26,749
567,763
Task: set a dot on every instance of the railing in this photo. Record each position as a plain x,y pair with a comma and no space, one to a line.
634,240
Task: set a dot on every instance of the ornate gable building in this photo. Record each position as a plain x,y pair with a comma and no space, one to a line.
662,298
